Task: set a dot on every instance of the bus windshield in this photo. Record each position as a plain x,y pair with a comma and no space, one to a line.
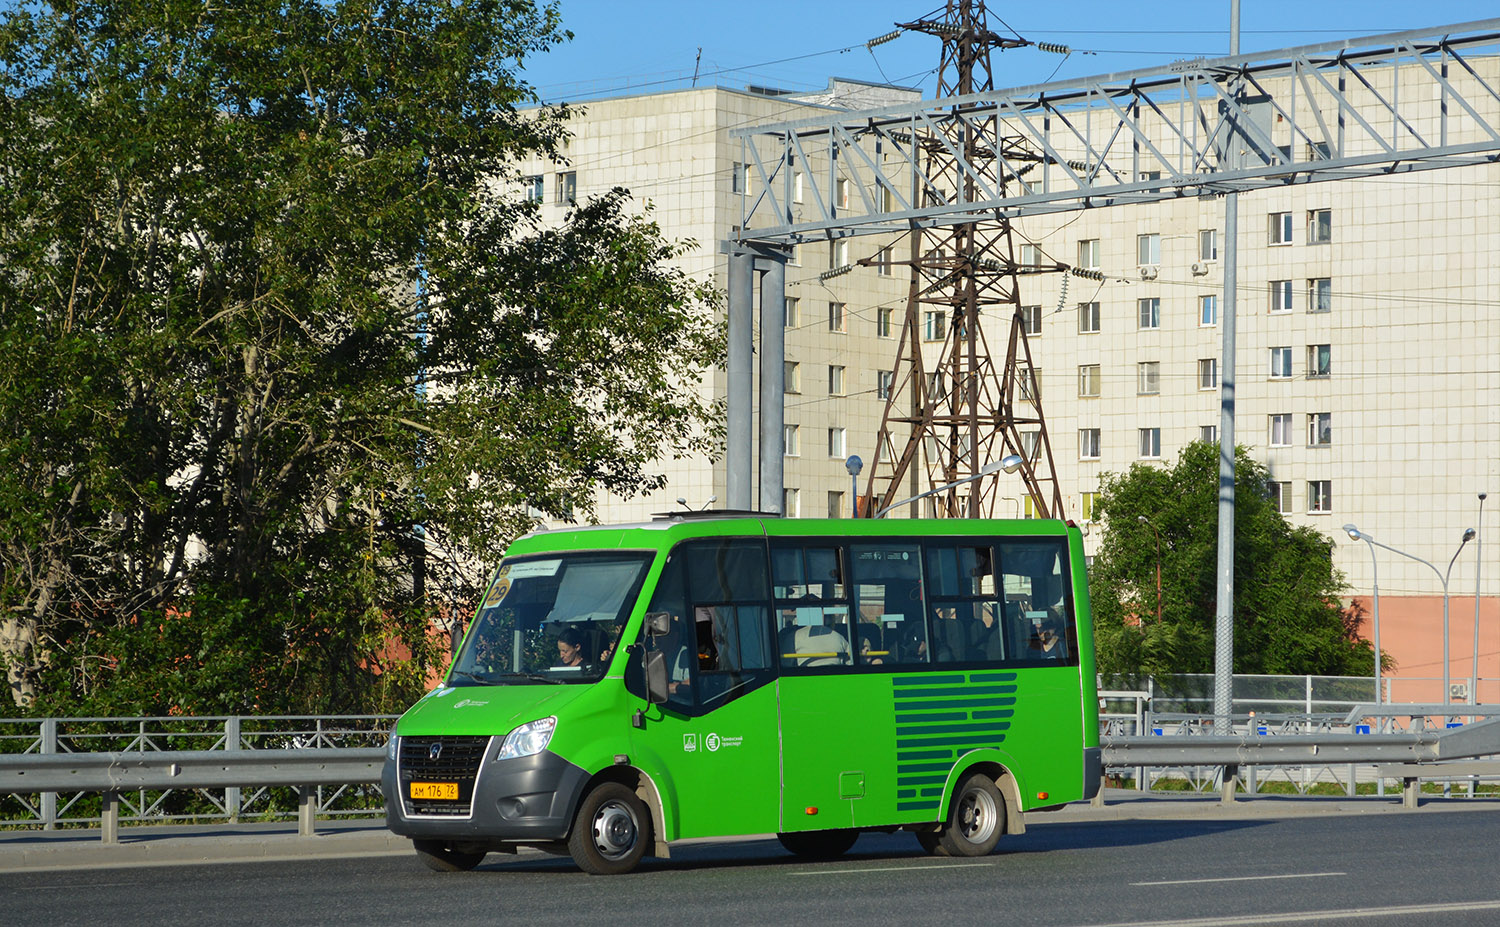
551,619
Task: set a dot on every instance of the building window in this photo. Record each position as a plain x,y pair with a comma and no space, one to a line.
1148,378
789,439
790,317
836,443
883,319
1208,434
1319,360
532,185
1088,381
883,261
1319,497
1088,506
932,325
1031,319
1031,256
1208,244
1320,294
796,186
835,380
1281,363
1028,380
835,505
1208,310
1150,443
1088,444
1208,373
791,503
1319,429
934,384
1281,496
1150,311
1148,249
1031,444
1281,429
1088,318
738,178
838,253
1281,228
791,377
835,317
1028,507
1281,296
567,188
1088,254
1319,226
841,192
883,382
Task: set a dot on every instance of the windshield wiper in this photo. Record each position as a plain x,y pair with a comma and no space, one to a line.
535,677
482,680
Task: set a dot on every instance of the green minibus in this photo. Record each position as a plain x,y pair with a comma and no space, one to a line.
621,688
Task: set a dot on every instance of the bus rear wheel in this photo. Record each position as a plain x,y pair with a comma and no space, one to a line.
610,831
440,857
818,844
976,819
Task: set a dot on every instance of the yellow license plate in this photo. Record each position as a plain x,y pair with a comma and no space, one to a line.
435,791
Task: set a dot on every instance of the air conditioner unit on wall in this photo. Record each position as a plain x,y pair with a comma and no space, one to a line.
1148,271
1200,269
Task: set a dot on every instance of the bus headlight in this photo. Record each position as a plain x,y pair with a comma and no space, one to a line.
527,740
392,745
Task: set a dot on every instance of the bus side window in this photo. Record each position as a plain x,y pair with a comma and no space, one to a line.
966,626
887,584
731,619
812,611
1038,601
676,645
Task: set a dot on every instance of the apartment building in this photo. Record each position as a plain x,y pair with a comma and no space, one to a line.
1367,360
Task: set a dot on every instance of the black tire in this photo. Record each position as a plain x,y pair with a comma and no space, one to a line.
976,818
441,857
611,831
818,844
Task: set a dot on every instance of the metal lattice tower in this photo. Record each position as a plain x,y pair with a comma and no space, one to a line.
948,423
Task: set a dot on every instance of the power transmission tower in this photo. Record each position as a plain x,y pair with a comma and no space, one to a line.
967,412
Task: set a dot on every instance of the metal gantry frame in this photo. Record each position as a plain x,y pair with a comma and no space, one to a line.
1362,107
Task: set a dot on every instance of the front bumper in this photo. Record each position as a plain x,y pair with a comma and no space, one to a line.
529,799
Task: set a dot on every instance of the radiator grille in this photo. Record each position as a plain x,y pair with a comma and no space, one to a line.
457,760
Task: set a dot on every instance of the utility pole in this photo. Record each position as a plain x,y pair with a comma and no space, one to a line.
942,426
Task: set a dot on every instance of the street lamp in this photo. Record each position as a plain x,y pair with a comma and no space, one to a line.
1145,521
1009,463
1478,564
1359,535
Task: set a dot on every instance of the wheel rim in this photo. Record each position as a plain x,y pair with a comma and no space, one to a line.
615,830
977,816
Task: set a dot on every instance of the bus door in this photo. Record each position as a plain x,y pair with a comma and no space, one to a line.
715,739
846,617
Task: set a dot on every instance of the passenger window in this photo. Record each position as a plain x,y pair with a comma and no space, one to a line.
671,597
733,649
1038,601
965,613
887,583
811,607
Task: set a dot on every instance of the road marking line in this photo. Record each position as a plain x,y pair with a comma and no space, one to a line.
1258,878
1299,917
891,869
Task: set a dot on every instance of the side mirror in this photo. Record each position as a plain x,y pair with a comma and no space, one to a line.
658,623
656,676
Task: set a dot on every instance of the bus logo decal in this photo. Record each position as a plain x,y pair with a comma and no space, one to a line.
711,741
689,743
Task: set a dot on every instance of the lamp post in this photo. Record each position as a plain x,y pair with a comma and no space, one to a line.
1010,464
1146,521
1478,563
1359,535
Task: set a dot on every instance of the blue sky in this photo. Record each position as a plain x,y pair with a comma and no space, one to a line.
634,46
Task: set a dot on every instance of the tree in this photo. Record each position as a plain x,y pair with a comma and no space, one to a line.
282,352
1287,616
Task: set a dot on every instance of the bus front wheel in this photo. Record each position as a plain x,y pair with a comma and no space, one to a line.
611,831
976,819
818,844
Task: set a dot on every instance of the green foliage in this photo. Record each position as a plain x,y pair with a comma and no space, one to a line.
280,356
1287,617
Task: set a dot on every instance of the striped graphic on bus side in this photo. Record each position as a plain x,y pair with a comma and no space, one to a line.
938,718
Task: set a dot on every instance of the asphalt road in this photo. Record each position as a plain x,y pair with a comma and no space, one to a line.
1261,866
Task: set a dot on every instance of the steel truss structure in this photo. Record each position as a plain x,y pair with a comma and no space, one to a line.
1362,107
